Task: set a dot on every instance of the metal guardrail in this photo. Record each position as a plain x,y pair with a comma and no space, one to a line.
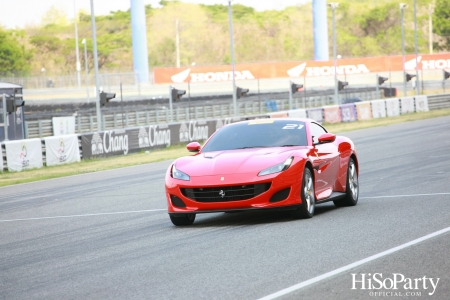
440,101
88,123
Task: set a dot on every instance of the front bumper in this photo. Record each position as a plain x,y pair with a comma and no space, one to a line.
290,179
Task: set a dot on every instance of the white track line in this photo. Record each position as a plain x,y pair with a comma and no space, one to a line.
87,215
396,196
352,265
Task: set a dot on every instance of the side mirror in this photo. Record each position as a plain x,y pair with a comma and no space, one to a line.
327,138
193,147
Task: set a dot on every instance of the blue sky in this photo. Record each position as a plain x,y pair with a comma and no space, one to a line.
19,13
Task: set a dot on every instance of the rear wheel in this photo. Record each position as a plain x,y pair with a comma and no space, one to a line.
306,209
352,190
182,220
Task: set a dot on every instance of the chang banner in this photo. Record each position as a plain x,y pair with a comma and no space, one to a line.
151,137
23,154
61,149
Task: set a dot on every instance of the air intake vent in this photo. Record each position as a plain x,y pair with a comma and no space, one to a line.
225,193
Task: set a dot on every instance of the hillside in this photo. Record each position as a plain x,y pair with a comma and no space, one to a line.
364,28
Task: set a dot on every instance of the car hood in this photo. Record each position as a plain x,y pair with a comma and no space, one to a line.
234,161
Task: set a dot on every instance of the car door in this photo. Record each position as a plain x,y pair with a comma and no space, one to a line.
325,160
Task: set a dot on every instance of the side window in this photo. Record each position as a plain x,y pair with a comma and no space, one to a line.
316,131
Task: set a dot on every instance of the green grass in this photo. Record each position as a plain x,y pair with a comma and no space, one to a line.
173,152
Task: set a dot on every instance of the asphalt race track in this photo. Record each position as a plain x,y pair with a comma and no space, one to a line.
107,235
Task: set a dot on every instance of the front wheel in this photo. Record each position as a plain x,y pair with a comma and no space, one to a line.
182,220
352,190
306,209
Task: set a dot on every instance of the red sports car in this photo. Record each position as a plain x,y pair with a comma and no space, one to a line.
290,164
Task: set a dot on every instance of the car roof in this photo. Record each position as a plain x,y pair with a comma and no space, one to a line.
306,120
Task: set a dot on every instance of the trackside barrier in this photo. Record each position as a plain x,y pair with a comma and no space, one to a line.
26,154
348,113
23,154
363,111
392,107
71,148
61,149
332,114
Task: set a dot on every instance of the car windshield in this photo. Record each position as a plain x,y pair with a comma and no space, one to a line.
258,134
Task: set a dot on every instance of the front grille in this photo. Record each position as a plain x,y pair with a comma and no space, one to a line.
225,193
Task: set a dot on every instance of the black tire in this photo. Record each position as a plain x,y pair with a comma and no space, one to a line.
183,220
306,209
352,188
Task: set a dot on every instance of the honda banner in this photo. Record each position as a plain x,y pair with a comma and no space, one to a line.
363,110
23,154
310,68
332,114
63,125
421,103
407,105
392,107
61,149
378,108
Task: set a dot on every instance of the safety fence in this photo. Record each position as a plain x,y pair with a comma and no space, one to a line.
118,119
34,153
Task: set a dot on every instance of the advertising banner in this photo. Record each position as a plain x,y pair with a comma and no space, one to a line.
348,112
363,111
421,103
316,114
63,125
378,108
61,149
151,137
1,158
332,114
392,107
296,69
407,105
23,154
297,113
283,114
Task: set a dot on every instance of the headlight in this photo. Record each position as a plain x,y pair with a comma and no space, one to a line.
278,168
177,174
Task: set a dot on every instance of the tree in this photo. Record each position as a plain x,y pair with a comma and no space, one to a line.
13,55
441,24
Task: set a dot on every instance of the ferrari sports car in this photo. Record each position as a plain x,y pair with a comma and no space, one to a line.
287,164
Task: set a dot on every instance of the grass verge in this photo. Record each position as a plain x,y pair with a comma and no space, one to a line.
173,152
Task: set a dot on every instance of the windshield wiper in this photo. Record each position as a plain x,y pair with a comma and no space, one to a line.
249,147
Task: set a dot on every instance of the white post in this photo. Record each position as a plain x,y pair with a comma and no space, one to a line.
97,79
230,21
78,68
